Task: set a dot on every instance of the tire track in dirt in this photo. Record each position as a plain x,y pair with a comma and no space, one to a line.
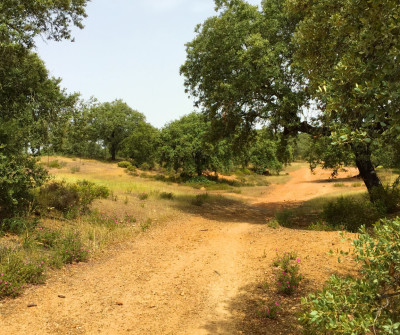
178,278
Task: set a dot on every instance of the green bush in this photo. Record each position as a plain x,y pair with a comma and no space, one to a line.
387,200
143,196
145,167
349,213
88,192
17,225
131,168
58,195
47,238
284,217
124,164
19,176
70,199
369,303
16,273
200,199
55,164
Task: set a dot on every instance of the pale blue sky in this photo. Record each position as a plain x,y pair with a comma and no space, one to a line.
131,50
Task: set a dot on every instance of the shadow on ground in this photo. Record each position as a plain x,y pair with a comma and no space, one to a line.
245,319
222,209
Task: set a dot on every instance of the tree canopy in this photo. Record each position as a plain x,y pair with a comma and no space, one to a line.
185,148
327,68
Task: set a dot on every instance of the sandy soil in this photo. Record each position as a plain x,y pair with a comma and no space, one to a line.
202,273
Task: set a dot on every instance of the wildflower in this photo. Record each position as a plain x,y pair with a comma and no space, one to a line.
298,260
276,303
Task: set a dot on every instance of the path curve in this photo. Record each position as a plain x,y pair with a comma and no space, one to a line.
184,277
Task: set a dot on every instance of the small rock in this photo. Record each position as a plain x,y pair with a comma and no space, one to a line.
119,303
61,296
32,305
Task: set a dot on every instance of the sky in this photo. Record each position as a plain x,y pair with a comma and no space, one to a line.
131,50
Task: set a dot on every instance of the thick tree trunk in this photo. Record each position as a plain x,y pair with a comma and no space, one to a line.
366,168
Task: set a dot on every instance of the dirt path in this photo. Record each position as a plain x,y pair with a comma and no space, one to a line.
194,276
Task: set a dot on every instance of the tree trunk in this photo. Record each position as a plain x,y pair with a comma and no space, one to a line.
367,170
113,153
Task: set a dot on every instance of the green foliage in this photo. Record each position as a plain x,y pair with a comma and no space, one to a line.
17,225
284,217
238,68
145,167
15,273
88,192
273,224
19,175
141,145
55,164
47,238
124,164
143,196
366,304
166,195
320,225
349,213
69,198
113,123
264,155
71,249
269,311
387,200
58,195
186,148
200,199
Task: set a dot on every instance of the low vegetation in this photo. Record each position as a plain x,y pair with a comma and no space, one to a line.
365,304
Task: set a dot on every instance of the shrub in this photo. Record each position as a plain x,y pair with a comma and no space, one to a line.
369,303
287,276
89,191
131,168
70,199
71,249
165,195
143,196
200,199
349,213
284,217
55,164
17,225
387,199
46,237
145,167
124,164
58,195
320,226
269,311
15,273
19,176
273,224
75,169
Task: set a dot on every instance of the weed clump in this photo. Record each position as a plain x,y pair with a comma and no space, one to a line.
166,195
284,217
200,199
